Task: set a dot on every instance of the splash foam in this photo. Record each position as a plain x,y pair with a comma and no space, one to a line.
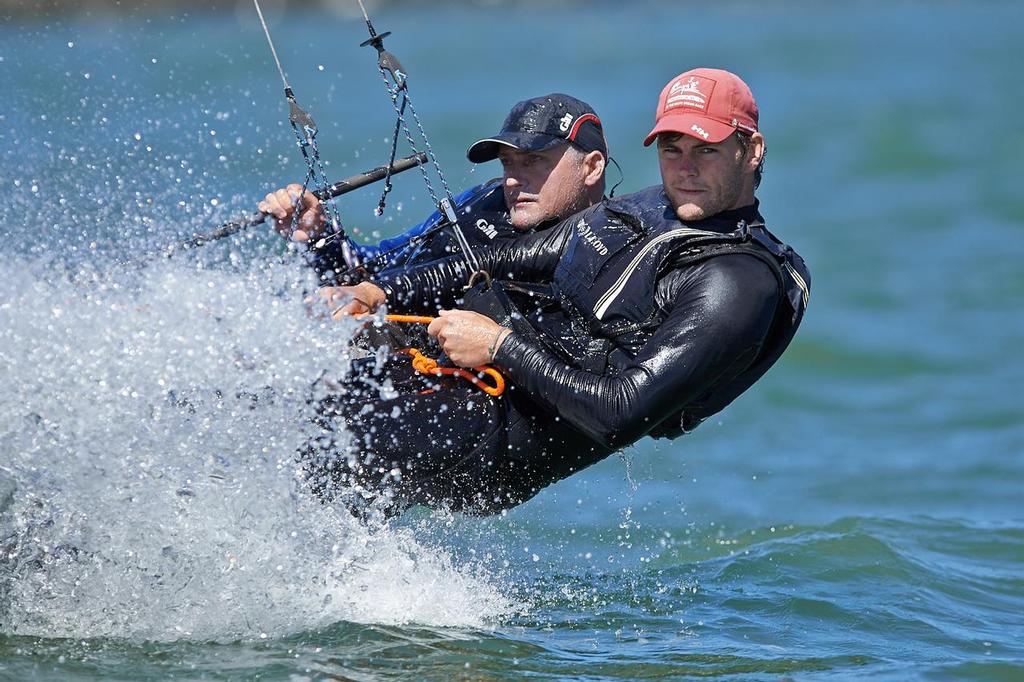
148,483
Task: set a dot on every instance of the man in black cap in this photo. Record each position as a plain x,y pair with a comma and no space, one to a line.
553,155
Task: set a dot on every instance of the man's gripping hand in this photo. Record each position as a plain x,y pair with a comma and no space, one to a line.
364,297
280,204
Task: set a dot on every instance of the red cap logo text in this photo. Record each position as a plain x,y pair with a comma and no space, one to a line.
692,93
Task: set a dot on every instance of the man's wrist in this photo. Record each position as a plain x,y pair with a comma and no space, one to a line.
499,338
389,293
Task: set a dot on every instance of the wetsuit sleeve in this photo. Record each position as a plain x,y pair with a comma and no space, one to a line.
329,258
718,315
530,258
325,261
392,246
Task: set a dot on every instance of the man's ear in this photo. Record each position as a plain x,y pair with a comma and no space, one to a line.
757,149
594,164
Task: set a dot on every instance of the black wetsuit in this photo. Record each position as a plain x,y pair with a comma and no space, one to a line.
652,325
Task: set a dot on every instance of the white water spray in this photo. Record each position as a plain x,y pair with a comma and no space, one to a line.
149,420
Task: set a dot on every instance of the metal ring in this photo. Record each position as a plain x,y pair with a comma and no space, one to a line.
484,273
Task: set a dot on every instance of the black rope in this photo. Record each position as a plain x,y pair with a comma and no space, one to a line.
394,151
621,177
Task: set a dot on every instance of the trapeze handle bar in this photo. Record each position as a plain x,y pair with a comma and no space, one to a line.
337,189
369,177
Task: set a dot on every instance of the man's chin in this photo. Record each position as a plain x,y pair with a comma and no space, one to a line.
690,212
525,217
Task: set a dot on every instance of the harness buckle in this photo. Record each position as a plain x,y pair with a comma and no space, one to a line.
447,210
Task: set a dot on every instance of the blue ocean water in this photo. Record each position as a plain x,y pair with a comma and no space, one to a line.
857,514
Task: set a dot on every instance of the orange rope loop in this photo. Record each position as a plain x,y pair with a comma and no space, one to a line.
424,365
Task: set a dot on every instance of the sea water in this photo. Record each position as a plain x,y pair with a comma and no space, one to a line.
857,514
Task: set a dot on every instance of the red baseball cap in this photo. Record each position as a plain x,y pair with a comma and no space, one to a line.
709,104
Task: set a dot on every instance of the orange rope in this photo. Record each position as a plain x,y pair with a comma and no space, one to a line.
410,319
404,319
424,365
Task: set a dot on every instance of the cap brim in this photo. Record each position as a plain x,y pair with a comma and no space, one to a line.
700,127
487,149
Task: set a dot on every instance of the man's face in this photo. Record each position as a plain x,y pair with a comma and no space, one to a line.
702,179
542,185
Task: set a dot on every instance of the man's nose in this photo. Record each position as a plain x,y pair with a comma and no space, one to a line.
512,180
688,164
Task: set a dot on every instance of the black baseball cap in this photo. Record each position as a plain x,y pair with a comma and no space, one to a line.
541,123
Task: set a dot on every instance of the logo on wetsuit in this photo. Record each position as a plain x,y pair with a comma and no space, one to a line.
487,228
588,236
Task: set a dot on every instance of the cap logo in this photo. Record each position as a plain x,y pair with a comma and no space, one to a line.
700,131
692,93
565,122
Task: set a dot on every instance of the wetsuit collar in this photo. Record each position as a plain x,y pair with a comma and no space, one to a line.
650,209
729,221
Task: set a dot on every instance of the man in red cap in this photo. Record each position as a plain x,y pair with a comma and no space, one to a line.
665,305
705,122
